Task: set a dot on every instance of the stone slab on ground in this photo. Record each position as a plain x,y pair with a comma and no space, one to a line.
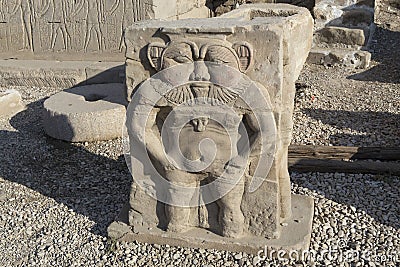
296,233
59,74
10,103
86,113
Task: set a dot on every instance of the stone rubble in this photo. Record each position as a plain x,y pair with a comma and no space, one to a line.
10,103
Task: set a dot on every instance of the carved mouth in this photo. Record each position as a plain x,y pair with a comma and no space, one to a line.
200,85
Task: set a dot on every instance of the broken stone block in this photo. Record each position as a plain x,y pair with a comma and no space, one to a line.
358,17
223,6
326,11
319,57
86,113
10,103
339,57
105,72
343,13
209,130
341,35
364,59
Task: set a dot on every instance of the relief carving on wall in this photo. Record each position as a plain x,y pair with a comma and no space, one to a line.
68,25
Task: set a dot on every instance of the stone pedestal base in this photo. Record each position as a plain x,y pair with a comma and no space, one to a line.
296,233
86,113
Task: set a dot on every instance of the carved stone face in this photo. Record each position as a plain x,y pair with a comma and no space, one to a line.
204,59
202,66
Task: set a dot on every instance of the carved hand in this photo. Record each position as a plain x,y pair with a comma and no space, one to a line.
239,162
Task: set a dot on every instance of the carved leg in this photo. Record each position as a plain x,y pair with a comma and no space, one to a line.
30,35
68,38
87,37
178,219
53,37
178,210
65,36
121,42
230,214
99,36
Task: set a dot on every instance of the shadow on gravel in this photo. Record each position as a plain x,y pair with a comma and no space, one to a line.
387,53
91,185
369,195
381,127
354,191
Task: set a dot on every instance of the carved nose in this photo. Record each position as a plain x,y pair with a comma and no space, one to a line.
200,72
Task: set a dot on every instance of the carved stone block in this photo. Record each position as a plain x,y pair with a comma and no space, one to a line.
209,131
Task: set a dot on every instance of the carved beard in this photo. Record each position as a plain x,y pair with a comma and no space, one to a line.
201,93
190,94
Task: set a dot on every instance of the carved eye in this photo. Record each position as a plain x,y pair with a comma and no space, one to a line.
221,55
182,59
216,59
219,61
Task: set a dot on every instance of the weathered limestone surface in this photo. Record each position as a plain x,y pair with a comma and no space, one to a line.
10,103
80,29
86,113
342,28
295,235
339,57
344,12
269,43
340,35
59,74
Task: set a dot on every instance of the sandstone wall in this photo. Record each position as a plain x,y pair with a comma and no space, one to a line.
80,29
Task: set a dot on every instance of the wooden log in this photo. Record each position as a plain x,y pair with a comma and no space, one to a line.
331,165
344,152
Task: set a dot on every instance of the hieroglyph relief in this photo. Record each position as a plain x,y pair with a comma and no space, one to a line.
63,25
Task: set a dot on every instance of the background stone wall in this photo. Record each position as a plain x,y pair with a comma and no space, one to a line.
80,29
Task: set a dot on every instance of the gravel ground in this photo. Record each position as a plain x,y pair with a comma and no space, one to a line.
338,106
57,199
333,109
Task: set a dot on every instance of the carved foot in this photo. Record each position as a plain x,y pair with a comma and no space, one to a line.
233,227
177,228
232,231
